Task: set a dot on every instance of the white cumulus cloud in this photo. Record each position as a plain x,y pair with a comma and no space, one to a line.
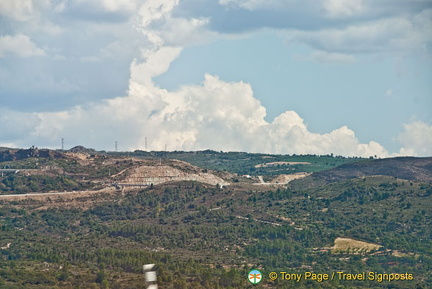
19,45
17,10
116,5
214,115
416,139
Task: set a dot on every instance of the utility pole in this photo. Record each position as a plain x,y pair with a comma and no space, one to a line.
115,145
146,143
62,140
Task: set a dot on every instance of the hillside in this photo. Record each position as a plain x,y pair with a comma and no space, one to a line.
407,168
253,164
42,170
14,154
202,235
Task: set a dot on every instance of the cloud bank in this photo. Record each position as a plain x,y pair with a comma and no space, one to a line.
19,46
215,114
416,139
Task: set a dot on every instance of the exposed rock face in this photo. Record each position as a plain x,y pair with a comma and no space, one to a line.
177,171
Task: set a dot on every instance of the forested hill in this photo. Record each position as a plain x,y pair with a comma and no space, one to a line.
407,168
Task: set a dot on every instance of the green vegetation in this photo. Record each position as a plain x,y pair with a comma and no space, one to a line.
59,174
66,173
202,236
19,184
245,163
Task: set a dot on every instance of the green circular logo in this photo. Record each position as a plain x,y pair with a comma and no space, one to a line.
255,276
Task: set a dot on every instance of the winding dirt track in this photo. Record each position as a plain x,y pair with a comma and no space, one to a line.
41,196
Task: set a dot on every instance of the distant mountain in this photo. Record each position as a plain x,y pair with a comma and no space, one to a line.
408,168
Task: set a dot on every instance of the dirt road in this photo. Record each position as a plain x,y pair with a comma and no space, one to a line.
41,196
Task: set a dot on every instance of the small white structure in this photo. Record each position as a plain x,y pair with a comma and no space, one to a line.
150,276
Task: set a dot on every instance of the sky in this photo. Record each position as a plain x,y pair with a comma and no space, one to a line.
352,78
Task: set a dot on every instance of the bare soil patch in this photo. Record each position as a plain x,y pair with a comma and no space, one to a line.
353,246
272,164
285,179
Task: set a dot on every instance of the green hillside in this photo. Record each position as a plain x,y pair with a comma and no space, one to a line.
202,236
249,163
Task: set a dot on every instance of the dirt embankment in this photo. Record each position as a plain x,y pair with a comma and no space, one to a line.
81,199
285,179
173,171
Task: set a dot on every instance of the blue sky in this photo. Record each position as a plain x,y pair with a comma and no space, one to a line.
368,95
331,76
